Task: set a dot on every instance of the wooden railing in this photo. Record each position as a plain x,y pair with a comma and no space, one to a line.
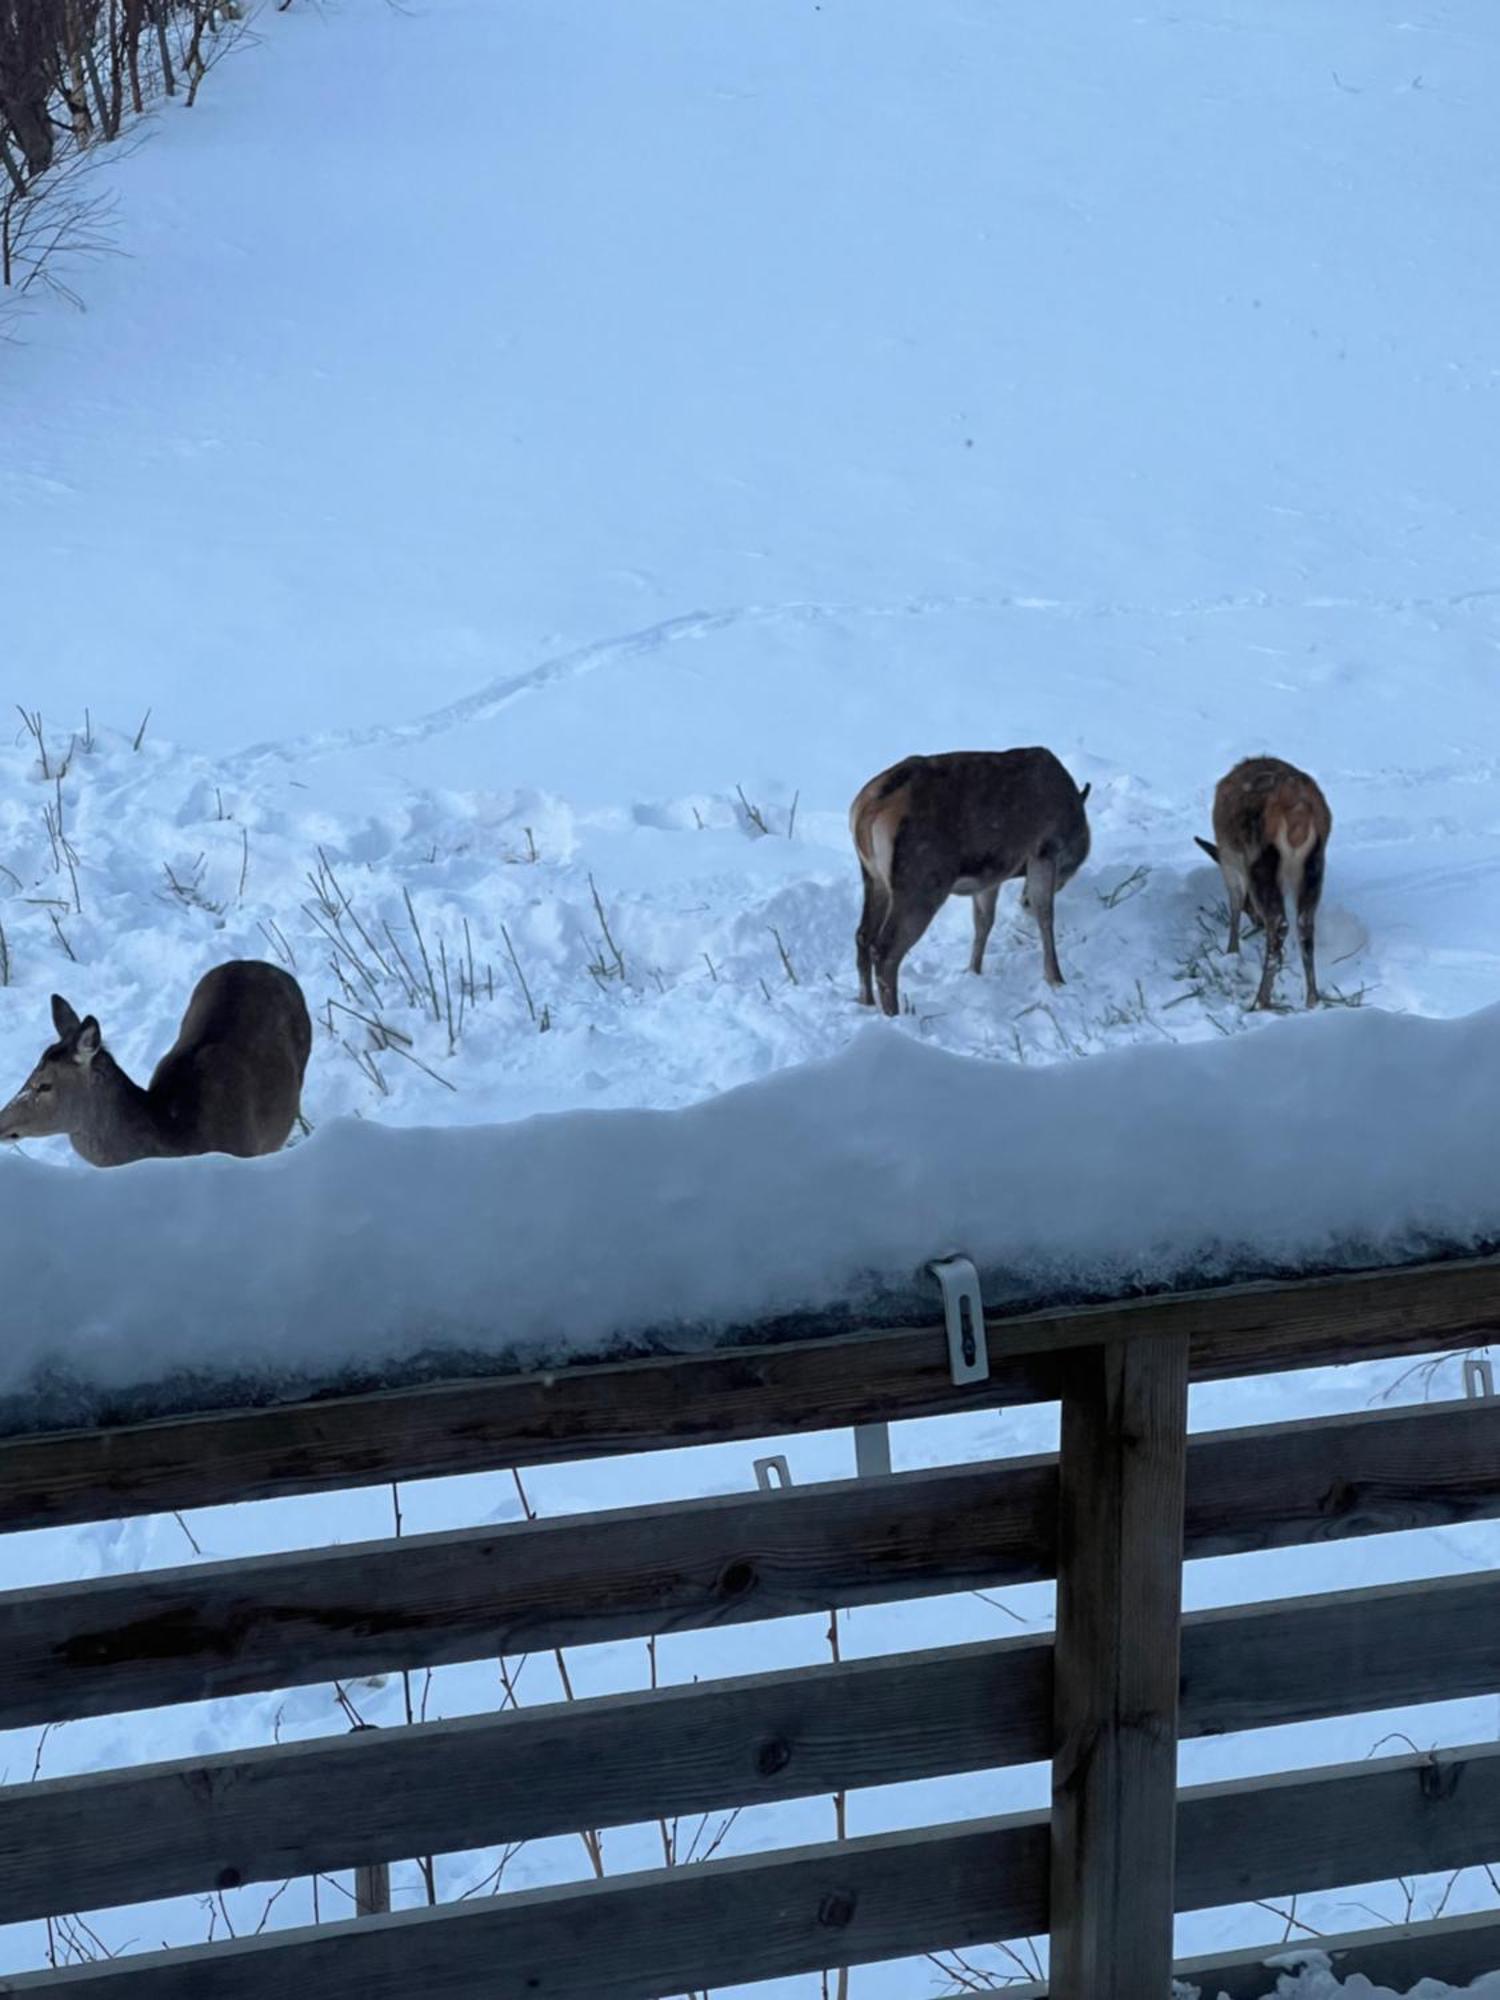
1105,1699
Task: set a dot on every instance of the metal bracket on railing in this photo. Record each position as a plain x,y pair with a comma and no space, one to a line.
766,1467
1479,1376
963,1310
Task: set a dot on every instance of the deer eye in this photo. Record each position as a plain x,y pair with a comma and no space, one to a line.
42,1089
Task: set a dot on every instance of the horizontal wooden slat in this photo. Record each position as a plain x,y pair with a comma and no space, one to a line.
1300,1659
669,1932
1350,1823
734,1393
116,1643
177,1635
266,1814
639,1937
300,1809
1454,1950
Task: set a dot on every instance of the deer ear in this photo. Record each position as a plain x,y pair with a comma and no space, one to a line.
1083,795
63,1017
89,1041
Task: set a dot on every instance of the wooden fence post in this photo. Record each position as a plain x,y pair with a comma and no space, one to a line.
1119,1603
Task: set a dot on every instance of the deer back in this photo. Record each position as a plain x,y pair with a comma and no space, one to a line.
1265,802
971,816
232,1081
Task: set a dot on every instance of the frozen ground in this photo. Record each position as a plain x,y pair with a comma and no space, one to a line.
530,449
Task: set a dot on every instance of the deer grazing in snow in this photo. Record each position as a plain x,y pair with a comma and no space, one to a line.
231,1083
1271,828
934,827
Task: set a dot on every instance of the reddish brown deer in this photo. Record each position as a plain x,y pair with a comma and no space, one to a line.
1271,828
231,1083
961,825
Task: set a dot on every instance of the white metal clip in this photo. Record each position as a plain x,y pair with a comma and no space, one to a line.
963,1310
1479,1376
773,1472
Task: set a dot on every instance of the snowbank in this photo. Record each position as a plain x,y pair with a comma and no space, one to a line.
1342,1139
1317,1982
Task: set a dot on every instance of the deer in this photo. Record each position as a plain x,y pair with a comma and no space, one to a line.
1271,829
961,824
230,1083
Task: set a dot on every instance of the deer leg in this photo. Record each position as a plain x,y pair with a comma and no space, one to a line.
1234,886
1270,902
984,920
1041,888
1309,889
911,910
877,903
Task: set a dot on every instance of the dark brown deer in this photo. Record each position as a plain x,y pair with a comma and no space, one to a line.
1271,829
231,1083
960,825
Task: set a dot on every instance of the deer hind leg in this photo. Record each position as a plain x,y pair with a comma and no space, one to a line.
1309,889
912,909
1235,887
1041,889
984,922
876,907
1269,900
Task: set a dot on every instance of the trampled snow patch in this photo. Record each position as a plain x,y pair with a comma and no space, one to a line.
368,1250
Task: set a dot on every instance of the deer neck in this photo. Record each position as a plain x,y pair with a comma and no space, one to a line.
122,1125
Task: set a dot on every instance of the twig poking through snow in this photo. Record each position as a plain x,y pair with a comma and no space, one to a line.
1122,892
786,960
520,975
272,932
33,721
753,814
614,950
437,1012
193,1542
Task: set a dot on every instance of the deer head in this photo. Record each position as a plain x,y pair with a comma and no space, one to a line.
54,1098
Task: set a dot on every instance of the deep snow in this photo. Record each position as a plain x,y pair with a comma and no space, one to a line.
530,448
643,311
1345,1139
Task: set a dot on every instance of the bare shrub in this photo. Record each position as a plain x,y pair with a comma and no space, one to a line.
72,74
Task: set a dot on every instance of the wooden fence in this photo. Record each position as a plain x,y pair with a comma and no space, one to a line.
1129,1496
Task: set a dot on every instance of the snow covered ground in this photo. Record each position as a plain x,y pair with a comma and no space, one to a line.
538,459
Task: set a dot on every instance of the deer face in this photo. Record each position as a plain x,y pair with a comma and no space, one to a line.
53,1099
